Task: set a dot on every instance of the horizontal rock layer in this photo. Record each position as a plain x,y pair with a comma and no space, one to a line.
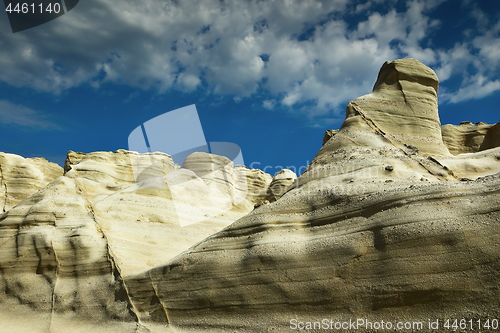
66,248
402,253
384,224
470,138
20,177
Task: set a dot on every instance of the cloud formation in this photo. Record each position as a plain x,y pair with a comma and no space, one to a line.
312,54
20,115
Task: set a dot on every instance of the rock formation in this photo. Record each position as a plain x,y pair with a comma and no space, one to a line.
469,138
282,182
328,134
66,248
385,224
377,227
20,177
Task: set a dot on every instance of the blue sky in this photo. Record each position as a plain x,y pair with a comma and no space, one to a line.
270,76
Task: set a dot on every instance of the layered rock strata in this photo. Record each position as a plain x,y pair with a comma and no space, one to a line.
20,177
65,249
470,138
382,225
385,224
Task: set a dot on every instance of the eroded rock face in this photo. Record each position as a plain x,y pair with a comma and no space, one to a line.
466,137
66,248
403,105
492,138
282,181
405,252
382,225
55,258
20,177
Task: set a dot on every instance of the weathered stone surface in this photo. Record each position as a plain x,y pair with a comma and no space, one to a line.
492,138
20,177
464,138
328,134
385,224
65,249
55,258
403,105
380,226
282,181
399,253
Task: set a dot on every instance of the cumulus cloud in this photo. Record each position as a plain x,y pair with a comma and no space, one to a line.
476,61
20,115
297,51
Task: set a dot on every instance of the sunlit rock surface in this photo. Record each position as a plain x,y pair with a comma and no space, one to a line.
384,224
20,177
65,249
470,138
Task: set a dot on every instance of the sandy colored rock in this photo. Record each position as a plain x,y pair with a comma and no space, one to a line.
464,138
328,134
282,181
54,257
65,249
384,224
492,138
402,252
21,177
403,106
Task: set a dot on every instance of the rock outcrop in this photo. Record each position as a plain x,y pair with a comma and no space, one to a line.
20,177
385,224
282,181
65,249
469,138
403,106
492,138
379,226
328,134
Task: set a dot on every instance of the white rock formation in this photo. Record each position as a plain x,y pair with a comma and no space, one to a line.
466,137
385,224
20,177
380,226
66,248
282,181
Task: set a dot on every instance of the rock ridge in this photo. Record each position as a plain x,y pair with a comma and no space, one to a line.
385,223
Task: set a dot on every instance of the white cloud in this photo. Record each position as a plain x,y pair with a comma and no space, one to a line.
269,104
310,55
20,115
478,88
476,61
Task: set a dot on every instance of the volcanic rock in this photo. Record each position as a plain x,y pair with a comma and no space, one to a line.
467,137
66,248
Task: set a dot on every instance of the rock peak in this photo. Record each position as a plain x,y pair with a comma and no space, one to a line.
408,69
404,106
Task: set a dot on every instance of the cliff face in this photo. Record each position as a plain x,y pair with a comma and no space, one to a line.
65,249
20,177
470,138
384,224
